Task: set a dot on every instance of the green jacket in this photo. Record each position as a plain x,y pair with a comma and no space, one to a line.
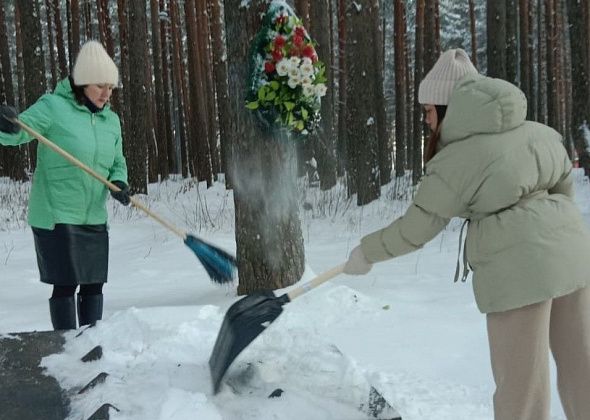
62,192
526,240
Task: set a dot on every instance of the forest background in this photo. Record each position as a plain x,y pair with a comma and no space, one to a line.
184,66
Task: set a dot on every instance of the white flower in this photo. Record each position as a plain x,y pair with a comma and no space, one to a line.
306,61
305,80
294,72
294,82
283,67
308,90
295,61
306,69
321,89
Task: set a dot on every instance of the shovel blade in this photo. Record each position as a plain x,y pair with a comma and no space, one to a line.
243,322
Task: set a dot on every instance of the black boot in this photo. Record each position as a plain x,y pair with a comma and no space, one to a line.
63,313
89,309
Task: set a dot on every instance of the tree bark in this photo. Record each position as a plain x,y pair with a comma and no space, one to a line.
269,240
324,140
578,28
417,167
361,107
221,85
12,159
400,90
59,39
497,38
473,31
138,127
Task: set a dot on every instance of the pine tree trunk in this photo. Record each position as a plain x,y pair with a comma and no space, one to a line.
324,140
418,76
35,83
104,26
74,29
303,10
12,159
342,141
431,35
137,137
579,28
170,140
400,90
182,106
552,66
384,147
125,94
221,85
87,11
198,145
526,65
497,39
473,31
51,43
542,63
59,39
161,115
204,31
269,240
512,41
361,107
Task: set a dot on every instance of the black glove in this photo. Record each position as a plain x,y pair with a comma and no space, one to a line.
6,125
123,195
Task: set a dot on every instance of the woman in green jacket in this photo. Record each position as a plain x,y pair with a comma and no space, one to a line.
67,207
526,242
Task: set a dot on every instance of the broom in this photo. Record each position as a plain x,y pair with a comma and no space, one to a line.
220,265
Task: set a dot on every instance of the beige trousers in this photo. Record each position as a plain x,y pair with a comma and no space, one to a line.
519,347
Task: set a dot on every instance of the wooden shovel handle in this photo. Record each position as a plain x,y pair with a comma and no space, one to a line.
92,172
322,278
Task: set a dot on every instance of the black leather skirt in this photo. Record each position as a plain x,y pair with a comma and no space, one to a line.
70,255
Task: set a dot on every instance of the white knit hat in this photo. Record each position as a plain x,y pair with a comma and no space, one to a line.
451,66
94,66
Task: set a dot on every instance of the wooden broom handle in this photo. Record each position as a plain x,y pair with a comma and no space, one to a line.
92,172
322,278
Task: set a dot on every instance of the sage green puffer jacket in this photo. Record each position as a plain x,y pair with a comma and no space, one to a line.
61,192
526,240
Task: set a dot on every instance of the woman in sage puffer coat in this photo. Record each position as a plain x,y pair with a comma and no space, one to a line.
527,243
67,207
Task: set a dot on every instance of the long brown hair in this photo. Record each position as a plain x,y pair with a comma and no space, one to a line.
432,144
78,92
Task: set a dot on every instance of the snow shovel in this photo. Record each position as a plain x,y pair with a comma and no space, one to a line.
247,319
220,265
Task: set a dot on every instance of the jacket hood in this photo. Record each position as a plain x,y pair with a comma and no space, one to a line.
64,89
482,105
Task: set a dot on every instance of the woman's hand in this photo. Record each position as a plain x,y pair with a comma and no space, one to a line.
357,263
123,195
7,114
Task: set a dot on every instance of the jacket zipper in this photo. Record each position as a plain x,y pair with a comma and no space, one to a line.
90,198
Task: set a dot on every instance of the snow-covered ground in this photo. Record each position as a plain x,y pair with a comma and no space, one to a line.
404,329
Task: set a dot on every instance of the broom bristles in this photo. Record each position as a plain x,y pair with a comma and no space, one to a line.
220,265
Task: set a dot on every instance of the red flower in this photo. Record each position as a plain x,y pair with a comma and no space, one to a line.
281,20
298,40
277,55
295,52
308,51
300,31
315,58
269,67
280,41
